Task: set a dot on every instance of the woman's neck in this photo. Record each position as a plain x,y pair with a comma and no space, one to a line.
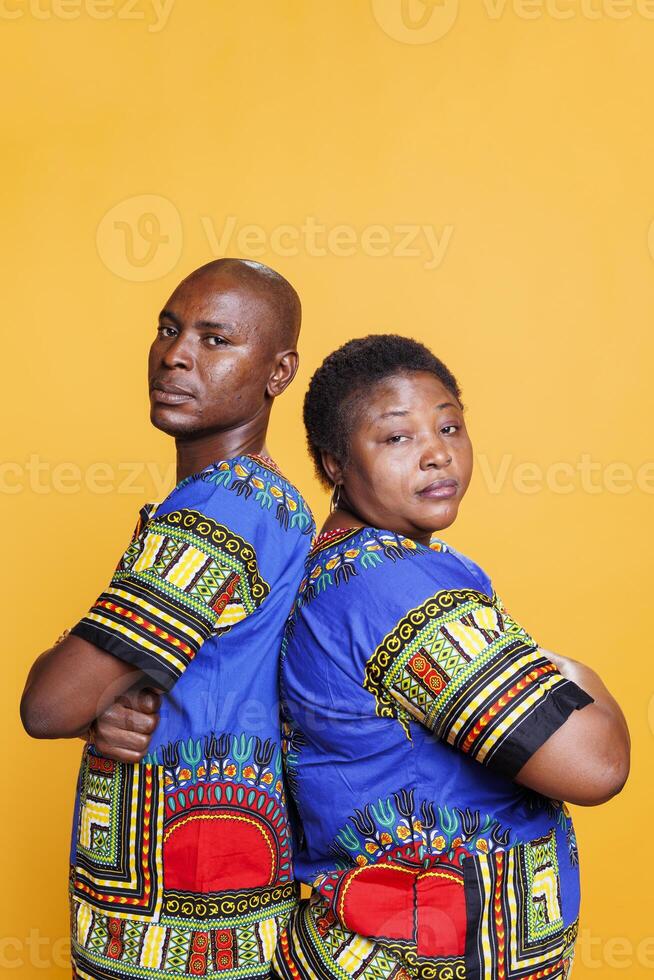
344,519
341,518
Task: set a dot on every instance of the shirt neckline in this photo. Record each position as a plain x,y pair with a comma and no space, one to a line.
267,461
337,535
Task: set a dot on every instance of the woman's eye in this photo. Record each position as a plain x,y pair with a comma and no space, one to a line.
449,430
395,439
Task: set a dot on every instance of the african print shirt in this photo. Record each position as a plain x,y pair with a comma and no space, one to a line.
411,698
181,865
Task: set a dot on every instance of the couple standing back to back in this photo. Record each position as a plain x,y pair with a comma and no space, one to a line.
182,860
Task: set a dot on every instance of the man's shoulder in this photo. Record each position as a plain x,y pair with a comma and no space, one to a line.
250,494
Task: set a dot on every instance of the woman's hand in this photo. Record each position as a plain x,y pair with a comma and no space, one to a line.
124,730
587,760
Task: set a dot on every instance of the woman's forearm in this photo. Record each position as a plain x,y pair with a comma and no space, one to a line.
587,760
590,682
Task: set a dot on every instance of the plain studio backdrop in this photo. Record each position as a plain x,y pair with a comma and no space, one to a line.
478,176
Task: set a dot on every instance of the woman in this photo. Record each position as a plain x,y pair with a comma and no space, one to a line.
427,737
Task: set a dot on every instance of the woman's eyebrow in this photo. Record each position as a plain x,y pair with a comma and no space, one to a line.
399,411
404,411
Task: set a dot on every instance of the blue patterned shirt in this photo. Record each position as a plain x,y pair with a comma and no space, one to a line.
182,866
411,700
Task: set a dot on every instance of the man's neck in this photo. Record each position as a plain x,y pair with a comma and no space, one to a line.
194,455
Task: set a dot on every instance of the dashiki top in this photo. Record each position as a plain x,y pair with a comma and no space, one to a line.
411,700
181,865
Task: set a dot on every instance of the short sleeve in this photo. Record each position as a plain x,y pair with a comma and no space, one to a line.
461,666
183,578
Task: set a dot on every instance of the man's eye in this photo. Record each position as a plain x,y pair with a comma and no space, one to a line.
215,341
450,429
165,331
396,439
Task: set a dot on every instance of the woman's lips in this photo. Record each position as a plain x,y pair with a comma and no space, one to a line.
440,490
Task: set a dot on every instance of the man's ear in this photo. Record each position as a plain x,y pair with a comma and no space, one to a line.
332,467
284,372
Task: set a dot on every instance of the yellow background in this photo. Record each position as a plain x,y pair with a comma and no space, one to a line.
522,137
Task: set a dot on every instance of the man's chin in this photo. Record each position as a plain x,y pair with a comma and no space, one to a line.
172,422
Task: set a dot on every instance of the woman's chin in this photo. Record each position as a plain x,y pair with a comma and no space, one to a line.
439,516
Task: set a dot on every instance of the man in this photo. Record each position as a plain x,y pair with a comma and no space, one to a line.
181,863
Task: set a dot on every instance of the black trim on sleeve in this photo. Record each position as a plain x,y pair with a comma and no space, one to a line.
547,716
152,666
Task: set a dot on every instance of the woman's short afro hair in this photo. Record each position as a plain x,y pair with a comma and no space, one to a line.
348,374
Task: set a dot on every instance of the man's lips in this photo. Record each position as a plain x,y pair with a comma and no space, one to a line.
169,394
440,489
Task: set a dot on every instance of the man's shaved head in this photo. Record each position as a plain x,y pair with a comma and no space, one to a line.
225,349
268,285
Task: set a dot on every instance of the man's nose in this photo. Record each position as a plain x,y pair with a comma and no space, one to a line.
178,354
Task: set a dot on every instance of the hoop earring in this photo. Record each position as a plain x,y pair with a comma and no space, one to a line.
336,498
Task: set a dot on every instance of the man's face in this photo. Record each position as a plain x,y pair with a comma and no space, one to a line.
212,358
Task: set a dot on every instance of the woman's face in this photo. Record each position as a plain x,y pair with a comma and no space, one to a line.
410,457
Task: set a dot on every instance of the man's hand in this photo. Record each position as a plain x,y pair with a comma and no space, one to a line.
124,730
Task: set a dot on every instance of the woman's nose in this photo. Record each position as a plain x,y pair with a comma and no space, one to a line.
436,453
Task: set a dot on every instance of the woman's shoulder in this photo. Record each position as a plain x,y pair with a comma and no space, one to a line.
366,566
469,566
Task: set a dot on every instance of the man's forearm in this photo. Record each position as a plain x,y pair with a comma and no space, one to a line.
71,684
